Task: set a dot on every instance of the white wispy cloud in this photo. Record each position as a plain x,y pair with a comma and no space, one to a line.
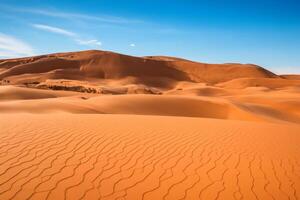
132,45
13,47
72,35
74,16
54,30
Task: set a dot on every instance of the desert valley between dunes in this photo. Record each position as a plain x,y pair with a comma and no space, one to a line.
102,125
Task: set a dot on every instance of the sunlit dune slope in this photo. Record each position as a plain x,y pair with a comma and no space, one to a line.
276,106
18,93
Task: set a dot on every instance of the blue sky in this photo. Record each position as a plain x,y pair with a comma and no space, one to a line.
262,32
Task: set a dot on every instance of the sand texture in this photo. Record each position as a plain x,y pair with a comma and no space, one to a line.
64,156
102,125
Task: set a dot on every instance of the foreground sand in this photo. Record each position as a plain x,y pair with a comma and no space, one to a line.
94,156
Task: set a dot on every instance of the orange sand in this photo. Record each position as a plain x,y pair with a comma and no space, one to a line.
64,156
101,125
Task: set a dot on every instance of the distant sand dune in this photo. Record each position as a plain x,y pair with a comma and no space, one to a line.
133,157
260,82
109,65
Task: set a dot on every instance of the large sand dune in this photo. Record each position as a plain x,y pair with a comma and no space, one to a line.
101,64
101,125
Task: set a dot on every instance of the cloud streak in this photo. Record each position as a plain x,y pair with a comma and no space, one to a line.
74,16
54,30
74,36
13,47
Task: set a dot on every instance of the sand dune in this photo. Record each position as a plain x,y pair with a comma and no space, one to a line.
135,157
19,93
243,107
260,82
88,79
102,125
291,76
109,65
